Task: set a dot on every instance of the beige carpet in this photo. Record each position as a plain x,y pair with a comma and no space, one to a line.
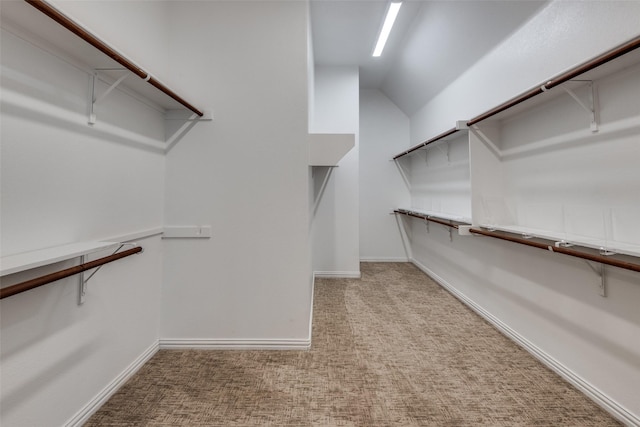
391,349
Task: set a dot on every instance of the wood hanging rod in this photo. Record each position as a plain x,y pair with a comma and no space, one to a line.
555,81
559,249
75,28
427,142
52,277
428,218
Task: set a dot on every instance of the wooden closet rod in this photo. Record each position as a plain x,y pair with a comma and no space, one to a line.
428,218
595,62
52,277
567,251
555,81
505,106
427,142
70,25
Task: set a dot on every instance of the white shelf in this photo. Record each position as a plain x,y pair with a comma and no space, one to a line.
327,149
438,215
25,261
459,131
626,61
613,246
27,22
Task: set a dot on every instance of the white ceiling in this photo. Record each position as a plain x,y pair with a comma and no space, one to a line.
431,44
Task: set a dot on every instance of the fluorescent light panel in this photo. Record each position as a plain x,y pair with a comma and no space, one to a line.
392,13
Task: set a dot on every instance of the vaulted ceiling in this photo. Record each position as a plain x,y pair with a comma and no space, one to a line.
432,42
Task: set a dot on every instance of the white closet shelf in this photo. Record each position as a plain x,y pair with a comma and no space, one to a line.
445,136
327,149
439,215
41,28
27,260
587,242
619,58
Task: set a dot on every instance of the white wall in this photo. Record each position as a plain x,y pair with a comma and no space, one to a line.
549,301
562,35
440,178
384,132
335,216
140,34
245,174
311,79
64,181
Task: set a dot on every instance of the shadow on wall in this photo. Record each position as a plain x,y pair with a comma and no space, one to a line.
321,176
44,88
76,123
13,397
19,311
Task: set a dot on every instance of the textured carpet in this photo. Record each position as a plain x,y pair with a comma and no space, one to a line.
390,349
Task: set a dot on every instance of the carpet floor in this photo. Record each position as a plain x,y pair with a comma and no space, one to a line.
390,349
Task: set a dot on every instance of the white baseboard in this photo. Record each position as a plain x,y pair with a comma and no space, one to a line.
600,398
337,274
101,398
403,259
235,344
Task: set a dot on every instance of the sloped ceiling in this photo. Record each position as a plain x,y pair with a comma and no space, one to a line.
432,43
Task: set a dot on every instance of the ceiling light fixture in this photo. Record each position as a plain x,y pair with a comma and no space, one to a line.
392,13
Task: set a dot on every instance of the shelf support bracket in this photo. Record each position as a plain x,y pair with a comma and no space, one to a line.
606,252
600,272
82,285
95,98
563,244
445,152
591,108
403,174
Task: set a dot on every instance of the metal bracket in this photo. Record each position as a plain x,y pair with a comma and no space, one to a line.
446,153
403,174
94,98
563,244
601,273
450,229
606,252
591,108
82,284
